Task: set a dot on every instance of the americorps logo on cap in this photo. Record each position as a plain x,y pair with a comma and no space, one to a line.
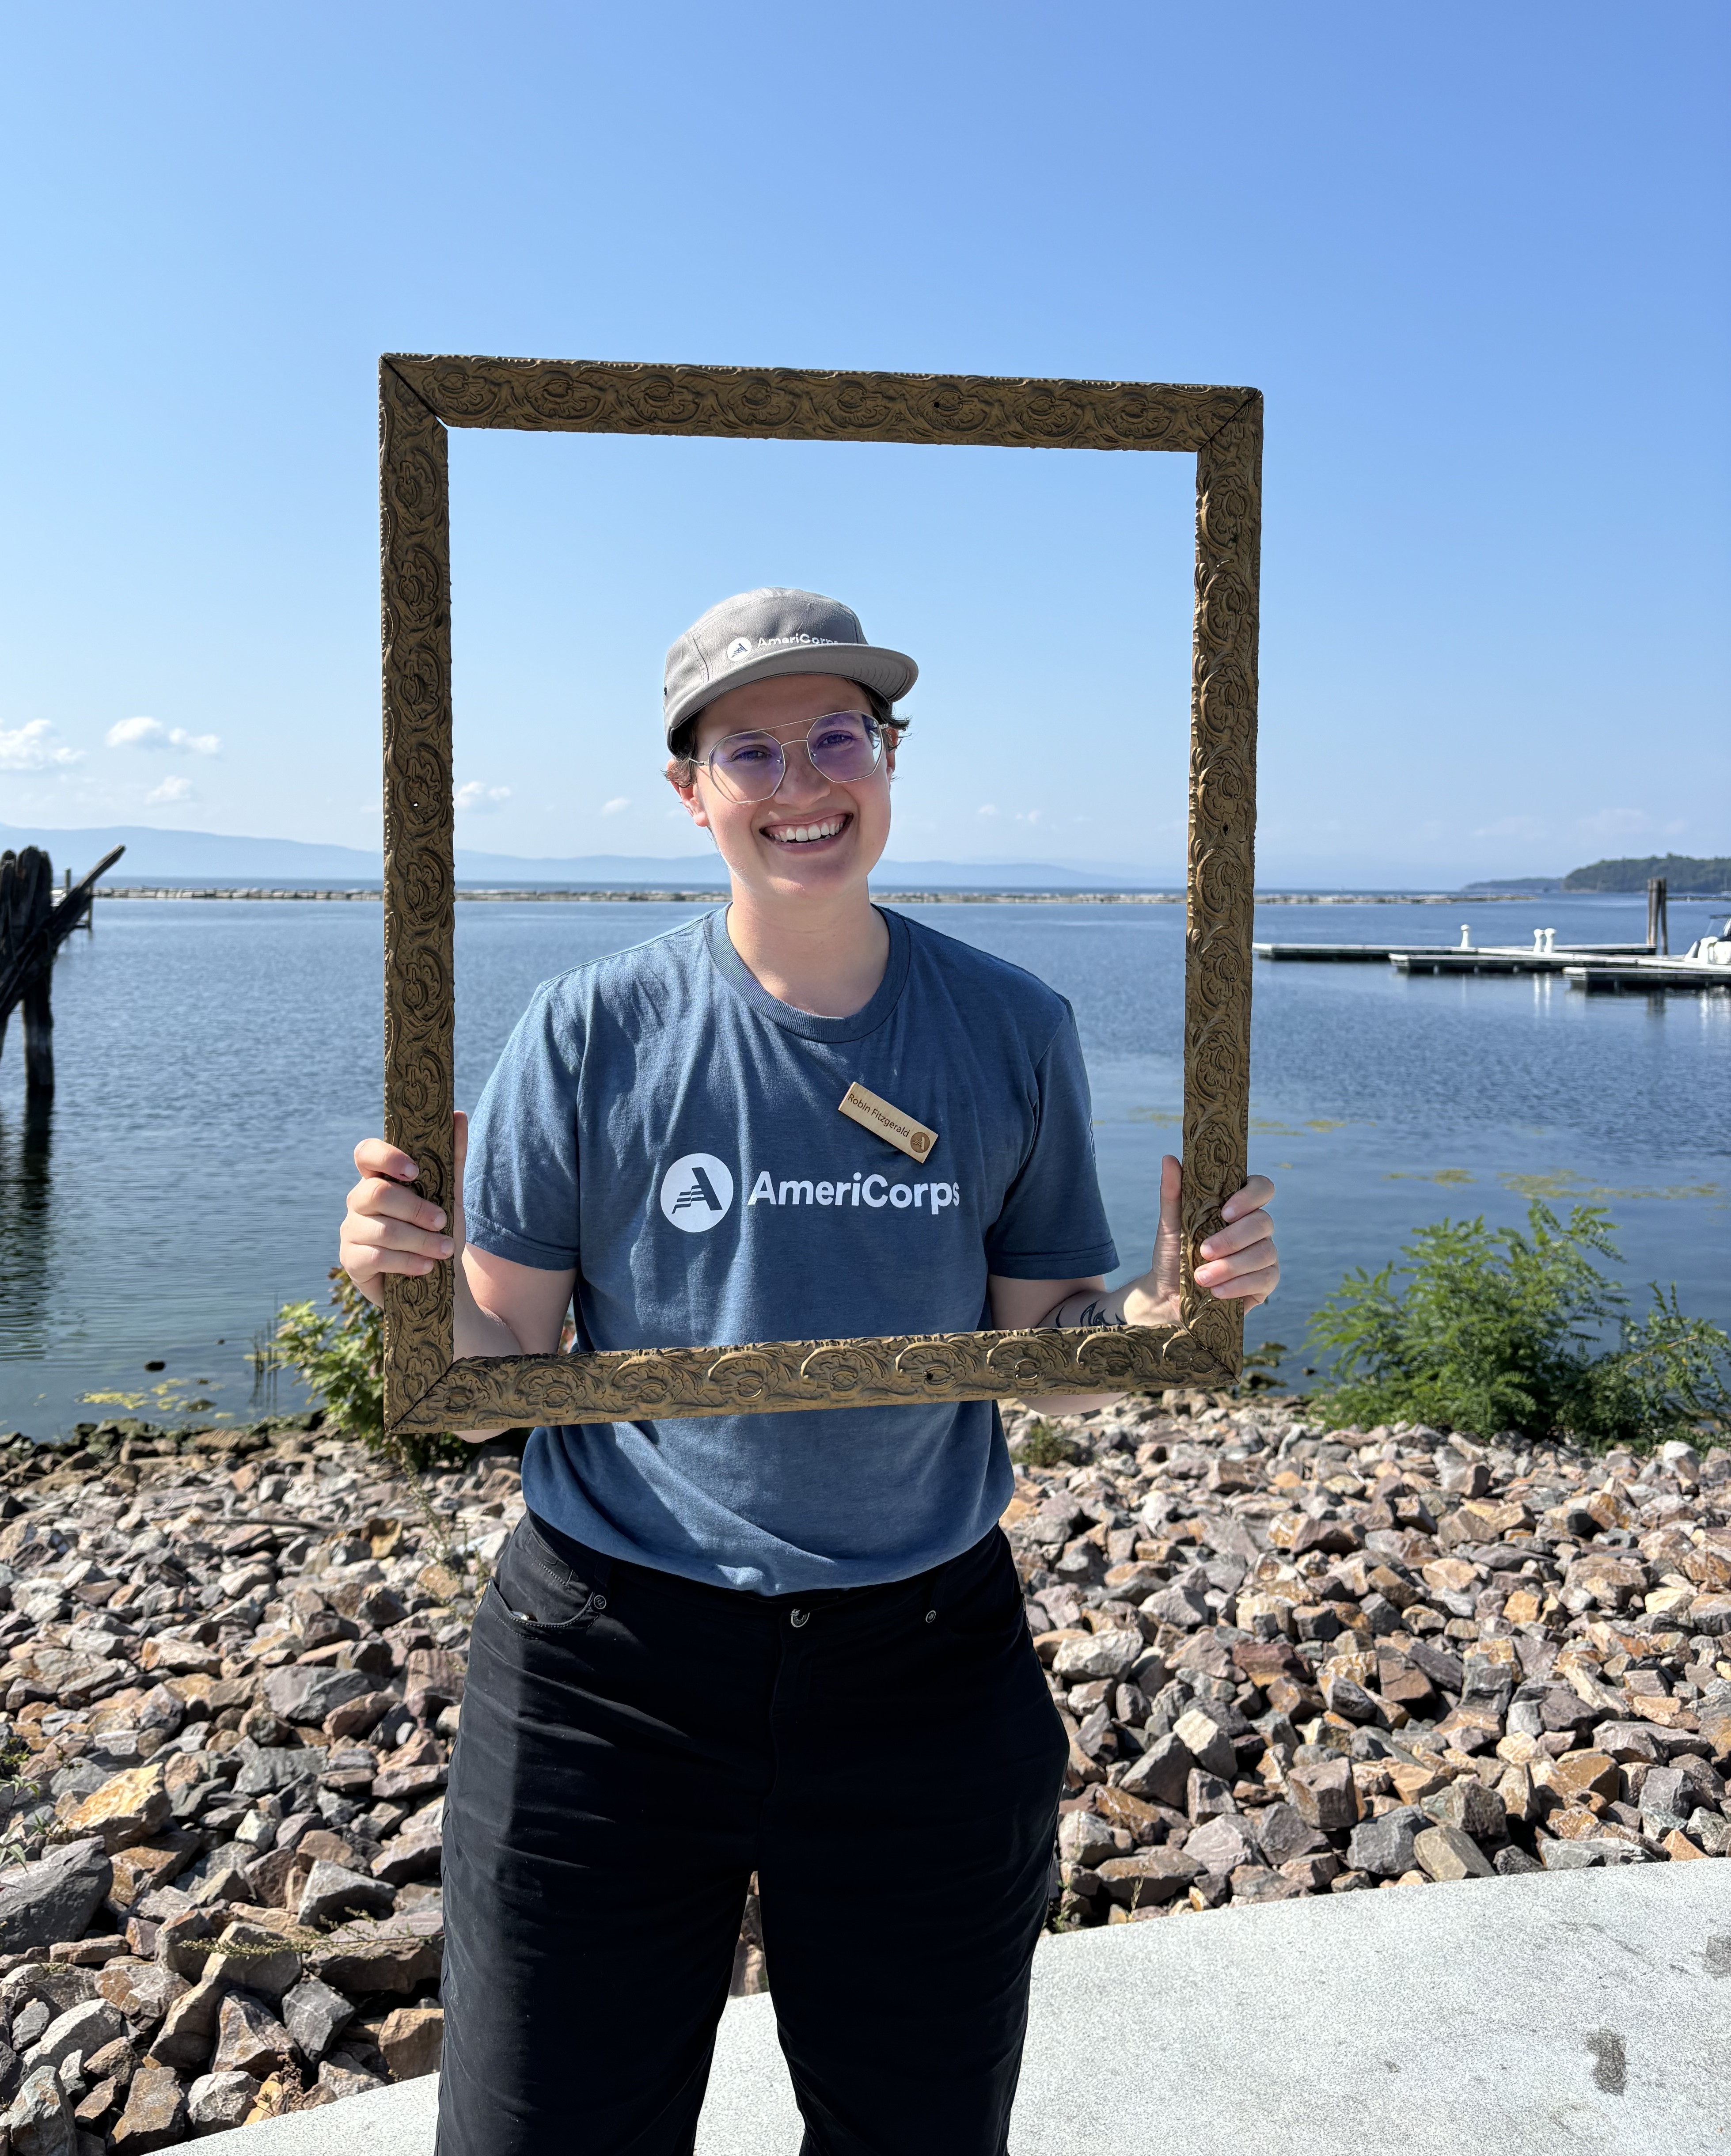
697,1192
741,647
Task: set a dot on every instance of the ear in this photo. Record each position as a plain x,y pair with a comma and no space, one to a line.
686,790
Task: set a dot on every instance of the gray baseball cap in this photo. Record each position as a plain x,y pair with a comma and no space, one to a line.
756,634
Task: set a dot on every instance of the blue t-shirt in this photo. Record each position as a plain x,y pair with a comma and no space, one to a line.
661,1122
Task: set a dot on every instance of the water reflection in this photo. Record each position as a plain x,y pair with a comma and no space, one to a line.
26,1201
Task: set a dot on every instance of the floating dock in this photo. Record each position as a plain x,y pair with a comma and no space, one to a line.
1649,977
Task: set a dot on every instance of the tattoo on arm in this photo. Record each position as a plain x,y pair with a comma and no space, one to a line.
1090,1312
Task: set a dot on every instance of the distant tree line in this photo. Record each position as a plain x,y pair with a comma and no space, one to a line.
1683,872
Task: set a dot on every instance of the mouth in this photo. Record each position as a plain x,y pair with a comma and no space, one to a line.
821,831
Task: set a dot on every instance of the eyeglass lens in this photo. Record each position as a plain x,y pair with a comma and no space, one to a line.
845,745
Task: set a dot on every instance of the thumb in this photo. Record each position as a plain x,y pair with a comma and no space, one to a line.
1168,1237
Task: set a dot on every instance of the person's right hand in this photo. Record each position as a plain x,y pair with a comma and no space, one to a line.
387,1228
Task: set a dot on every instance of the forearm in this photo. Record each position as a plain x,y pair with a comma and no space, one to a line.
479,1330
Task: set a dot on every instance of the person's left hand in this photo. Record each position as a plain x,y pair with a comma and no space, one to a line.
1240,1263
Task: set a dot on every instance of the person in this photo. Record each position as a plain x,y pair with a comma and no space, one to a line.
787,1643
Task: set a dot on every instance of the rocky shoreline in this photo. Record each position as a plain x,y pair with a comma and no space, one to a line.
1295,1662
1289,1663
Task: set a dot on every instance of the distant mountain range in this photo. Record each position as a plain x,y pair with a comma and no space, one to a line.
154,856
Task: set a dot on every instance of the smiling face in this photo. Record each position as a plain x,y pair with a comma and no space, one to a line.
815,837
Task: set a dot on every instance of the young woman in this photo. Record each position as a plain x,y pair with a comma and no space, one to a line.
790,1644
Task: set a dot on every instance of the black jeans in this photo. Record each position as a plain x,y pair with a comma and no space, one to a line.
634,1746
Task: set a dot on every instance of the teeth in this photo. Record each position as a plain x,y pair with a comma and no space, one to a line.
800,835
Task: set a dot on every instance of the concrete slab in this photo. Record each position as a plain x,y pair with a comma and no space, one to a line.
1563,2015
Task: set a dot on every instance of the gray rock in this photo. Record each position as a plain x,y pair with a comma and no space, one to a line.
1221,1845
1162,1774
1569,1855
314,2016
1283,1834
84,2029
54,1898
1384,1846
1084,1839
1108,1654
302,1694
1207,1797
1712,1830
216,2102
188,2028
1468,1804
30,2022
1513,1859
333,1890
280,1769
1182,1606
1207,1743
1666,1791
1350,1700
40,2119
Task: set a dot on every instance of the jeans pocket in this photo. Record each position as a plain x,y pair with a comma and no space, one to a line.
979,1595
540,1591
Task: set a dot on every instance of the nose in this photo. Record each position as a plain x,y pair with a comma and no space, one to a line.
801,779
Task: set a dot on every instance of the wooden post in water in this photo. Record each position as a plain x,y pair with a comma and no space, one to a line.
27,884
1658,924
31,928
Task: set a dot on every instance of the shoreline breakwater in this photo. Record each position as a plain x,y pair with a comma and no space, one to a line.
1289,1662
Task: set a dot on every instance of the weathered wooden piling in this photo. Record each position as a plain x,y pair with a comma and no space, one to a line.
31,929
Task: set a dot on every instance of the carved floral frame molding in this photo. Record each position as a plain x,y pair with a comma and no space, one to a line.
419,398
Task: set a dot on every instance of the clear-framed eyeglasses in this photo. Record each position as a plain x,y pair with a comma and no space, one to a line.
842,745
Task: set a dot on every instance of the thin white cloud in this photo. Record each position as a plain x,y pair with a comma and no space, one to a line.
152,733
170,793
617,806
476,799
1614,823
1512,827
28,748
986,809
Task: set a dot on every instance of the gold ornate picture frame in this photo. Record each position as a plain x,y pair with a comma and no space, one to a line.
426,1390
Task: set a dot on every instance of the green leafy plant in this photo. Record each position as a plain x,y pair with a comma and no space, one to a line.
25,1829
1044,1447
338,1356
1490,1329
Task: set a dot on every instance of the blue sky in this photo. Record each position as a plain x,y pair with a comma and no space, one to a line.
1473,256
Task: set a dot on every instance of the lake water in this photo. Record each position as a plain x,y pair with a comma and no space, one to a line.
217,1062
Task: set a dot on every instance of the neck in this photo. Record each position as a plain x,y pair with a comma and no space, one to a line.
825,958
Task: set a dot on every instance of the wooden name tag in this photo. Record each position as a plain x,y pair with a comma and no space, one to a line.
888,1123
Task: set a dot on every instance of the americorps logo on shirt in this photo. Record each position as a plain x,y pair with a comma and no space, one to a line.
697,1192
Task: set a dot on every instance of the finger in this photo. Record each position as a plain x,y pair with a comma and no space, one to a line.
1254,1257
1168,1238
1255,1193
375,1200
363,1265
1253,1287
367,1233
1238,1235
373,1156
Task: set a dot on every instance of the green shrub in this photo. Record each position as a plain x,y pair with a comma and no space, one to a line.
1044,1447
339,1357
1490,1329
